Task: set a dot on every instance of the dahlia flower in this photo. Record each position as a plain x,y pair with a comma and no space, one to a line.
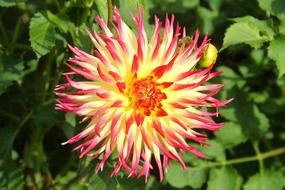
141,98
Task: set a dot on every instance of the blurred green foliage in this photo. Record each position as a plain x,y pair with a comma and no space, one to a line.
247,153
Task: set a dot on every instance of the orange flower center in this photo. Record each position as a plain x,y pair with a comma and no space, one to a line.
147,96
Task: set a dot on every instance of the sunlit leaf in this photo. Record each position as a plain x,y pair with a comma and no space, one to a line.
263,26
276,52
282,27
244,33
10,3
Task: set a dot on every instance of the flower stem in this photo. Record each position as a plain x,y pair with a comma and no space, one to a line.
260,156
110,12
260,160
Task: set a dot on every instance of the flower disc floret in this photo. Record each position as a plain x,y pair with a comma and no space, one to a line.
146,96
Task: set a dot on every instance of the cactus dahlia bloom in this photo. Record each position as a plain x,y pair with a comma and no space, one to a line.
142,98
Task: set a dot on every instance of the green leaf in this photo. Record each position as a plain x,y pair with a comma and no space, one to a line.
125,183
96,183
82,40
269,180
63,180
244,33
194,176
70,118
273,7
10,3
253,122
229,113
276,53
282,27
45,116
189,4
215,150
208,16
111,183
101,7
11,70
230,78
82,3
230,135
225,178
265,4
42,34
126,7
263,26
215,4
61,22
7,136
11,176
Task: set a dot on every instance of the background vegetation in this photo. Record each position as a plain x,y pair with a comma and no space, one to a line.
248,153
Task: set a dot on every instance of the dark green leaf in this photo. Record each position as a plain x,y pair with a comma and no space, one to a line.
253,122
125,183
230,78
276,52
82,40
96,183
11,70
45,116
225,178
11,176
111,183
7,136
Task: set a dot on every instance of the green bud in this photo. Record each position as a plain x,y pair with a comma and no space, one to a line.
209,57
